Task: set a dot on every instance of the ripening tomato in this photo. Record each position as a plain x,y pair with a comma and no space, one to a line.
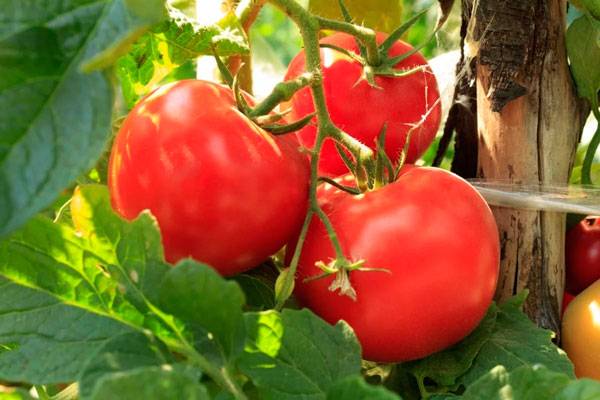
362,110
223,190
438,240
582,253
581,332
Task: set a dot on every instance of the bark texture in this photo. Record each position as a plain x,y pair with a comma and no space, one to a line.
529,122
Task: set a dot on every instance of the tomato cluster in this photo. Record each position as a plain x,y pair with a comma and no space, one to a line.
226,192
581,304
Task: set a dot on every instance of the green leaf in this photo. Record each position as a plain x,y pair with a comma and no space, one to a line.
355,388
296,355
444,368
122,353
15,394
584,54
155,57
150,383
576,174
105,264
210,306
516,342
54,119
582,389
523,383
133,250
259,294
44,341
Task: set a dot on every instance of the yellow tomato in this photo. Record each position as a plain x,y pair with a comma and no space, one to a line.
581,332
380,15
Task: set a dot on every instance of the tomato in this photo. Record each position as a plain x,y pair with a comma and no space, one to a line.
582,253
438,240
581,332
567,299
223,190
362,110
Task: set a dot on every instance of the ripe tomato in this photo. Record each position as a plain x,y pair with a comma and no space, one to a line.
441,251
567,299
223,190
581,332
362,110
582,253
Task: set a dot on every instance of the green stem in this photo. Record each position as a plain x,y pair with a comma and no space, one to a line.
310,26
41,392
366,36
289,278
283,91
586,169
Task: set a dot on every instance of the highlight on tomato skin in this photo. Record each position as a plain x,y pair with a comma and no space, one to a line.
441,254
223,190
400,103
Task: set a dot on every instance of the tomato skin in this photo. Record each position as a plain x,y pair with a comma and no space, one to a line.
581,332
362,110
582,254
223,190
441,251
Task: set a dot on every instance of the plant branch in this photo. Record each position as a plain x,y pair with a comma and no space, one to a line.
309,26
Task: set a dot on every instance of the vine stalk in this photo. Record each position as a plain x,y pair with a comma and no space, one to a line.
310,26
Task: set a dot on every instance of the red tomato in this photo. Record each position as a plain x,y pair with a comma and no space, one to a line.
437,238
583,255
223,190
362,110
567,299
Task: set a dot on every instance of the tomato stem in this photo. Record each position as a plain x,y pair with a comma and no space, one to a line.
364,34
586,174
289,277
283,91
310,26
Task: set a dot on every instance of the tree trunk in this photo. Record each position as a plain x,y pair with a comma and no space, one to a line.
529,123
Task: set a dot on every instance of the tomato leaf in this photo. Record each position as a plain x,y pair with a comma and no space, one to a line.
15,394
43,341
516,342
259,294
132,250
150,383
580,389
295,354
157,56
355,388
446,367
121,353
209,305
584,55
55,120
529,381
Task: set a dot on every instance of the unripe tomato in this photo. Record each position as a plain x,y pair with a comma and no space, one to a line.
223,190
362,110
581,332
441,253
582,253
